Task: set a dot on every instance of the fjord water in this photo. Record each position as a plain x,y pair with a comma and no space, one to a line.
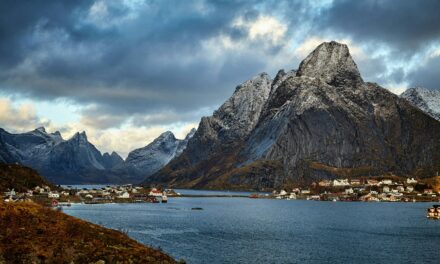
243,230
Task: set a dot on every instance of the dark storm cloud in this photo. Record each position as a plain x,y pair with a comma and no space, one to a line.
160,55
130,64
403,24
426,75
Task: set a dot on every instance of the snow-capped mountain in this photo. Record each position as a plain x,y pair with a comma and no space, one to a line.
76,160
149,159
320,121
426,100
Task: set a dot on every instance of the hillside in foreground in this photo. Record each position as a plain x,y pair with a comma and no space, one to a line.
30,233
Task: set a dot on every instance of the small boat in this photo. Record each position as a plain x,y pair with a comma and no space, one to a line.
433,212
164,199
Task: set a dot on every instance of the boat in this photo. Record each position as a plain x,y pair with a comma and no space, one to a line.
164,199
433,212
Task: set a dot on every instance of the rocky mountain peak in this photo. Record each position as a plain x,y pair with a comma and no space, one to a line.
80,136
425,99
242,110
332,62
40,129
166,136
191,133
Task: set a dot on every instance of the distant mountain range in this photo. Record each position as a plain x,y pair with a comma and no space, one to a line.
76,160
320,121
317,122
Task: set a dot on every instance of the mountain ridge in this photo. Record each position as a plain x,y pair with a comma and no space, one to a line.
321,119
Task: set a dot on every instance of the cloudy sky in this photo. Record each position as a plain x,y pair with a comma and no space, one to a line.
126,71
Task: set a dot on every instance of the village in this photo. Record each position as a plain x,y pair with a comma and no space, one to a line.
366,190
57,196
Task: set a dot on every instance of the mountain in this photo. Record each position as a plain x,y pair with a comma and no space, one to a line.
149,159
426,100
321,121
111,160
76,160
61,161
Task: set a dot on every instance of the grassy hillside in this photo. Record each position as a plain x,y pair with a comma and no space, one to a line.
30,233
19,177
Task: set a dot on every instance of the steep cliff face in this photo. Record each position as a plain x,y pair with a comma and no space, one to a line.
232,122
426,100
320,121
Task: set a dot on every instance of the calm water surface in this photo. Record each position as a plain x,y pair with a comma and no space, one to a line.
242,230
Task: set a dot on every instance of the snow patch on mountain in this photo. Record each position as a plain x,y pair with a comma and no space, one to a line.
426,100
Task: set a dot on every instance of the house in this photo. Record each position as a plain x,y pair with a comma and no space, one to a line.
124,195
386,182
427,191
325,183
89,196
341,182
292,196
64,193
155,192
409,188
54,195
296,190
355,182
10,193
400,188
305,191
372,182
411,181
283,193
349,191
386,189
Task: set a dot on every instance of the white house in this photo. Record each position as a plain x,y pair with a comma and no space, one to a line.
124,195
411,181
386,189
409,189
305,191
385,182
349,191
341,182
89,196
53,195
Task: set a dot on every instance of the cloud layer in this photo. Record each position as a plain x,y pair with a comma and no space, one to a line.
143,64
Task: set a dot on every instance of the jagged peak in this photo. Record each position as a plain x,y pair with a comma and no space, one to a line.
114,153
166,135
40,129
190,133
332,62
79,135
259,78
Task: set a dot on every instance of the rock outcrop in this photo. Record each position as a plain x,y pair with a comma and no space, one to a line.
321,121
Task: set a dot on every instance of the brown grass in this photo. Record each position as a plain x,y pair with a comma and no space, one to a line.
30,233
